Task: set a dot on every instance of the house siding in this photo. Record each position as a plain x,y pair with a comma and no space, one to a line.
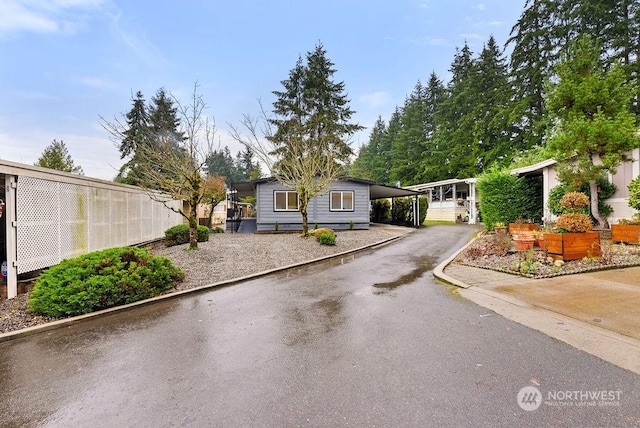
318,209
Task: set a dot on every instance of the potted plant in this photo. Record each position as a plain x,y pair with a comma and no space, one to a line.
523,240
500,228
574,237
521,225
539,237
628,230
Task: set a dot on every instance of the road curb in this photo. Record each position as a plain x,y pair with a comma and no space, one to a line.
4,337
438,272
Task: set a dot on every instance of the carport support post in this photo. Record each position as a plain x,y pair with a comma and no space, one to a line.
10,212
416,212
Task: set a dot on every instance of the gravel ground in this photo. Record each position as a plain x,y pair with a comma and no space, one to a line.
226,256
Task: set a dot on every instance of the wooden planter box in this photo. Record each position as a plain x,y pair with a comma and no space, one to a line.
522,227
627,233
572,246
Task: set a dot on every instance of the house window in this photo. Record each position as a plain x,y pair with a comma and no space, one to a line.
341,201
285,200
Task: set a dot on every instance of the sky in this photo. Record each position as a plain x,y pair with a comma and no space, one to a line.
64,64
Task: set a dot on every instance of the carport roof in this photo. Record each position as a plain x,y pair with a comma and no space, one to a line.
376,190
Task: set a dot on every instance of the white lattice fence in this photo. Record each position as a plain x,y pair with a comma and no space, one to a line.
57,220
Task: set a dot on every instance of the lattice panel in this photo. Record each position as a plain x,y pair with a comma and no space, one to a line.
59,220
74,220
146,219
38,225
118,205
100,219
134,211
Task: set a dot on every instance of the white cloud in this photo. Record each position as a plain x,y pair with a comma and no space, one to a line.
97,82
480,6
376,99
42,16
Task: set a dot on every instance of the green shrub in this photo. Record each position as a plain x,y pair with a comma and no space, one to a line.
218,229
606,190
380,210
101,280
506,198
634,193
321,231
326,238
401,211
179,234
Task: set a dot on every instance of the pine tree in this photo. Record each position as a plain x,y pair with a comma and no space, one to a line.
492,102
137,132
456,123
409,146
595,129
432,160
312,127
163,116
56,156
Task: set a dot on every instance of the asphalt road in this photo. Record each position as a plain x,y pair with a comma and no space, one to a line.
367,340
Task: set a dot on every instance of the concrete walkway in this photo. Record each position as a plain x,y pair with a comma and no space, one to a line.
597,312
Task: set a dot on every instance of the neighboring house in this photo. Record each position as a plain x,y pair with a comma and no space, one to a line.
344,205
221,213
52,215
454,200
619,201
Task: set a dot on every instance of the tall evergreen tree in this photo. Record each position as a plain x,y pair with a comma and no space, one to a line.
371,163
492,102
163,116
433,158
220,163
312,127
536,46
455,119
594,129
56,156
410,145
137,132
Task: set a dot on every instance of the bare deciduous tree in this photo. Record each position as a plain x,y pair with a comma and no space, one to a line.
304,168
175,170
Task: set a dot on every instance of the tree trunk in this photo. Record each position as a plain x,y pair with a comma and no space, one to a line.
595,212
193,229
211,216
305,224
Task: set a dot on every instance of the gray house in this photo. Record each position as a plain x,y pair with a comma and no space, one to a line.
344,205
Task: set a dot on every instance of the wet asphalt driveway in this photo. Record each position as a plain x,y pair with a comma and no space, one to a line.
367,340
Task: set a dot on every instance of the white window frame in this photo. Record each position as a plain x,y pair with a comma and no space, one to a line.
286,192
341,207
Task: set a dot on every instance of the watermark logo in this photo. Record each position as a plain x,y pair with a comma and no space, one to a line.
529,398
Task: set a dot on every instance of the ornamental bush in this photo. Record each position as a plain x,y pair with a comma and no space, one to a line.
179,234
573,220
634,193
101,280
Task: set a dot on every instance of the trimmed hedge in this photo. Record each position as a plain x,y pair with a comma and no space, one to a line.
505,198
101,280
179,234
